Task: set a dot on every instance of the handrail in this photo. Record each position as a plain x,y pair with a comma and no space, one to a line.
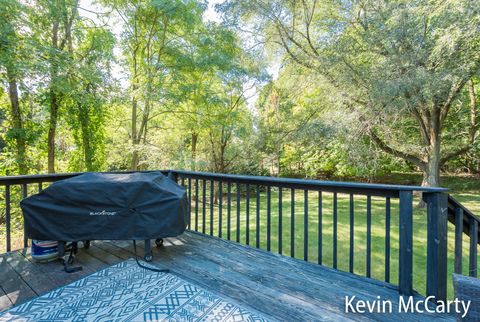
453,205
36,178
330,186
52,177
466,223
334,185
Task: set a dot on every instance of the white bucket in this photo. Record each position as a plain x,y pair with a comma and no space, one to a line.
44,250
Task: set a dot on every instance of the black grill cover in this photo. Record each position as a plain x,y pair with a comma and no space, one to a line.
99,206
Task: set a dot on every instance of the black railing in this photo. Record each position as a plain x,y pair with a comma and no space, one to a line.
366,229
466,223
340,196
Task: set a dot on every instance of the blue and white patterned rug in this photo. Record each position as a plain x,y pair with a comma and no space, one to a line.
127,292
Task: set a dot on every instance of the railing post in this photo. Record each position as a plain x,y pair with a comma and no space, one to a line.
437,212
405,269
173,175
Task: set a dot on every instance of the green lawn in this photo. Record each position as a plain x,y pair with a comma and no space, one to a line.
465,190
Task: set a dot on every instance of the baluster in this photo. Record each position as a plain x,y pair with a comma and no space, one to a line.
305,225
352,236
369,235
473,247
189,200
204,205
335,207
458,239
24,195
229,208
40,187
7,216
196,204
320,228
247,210
257,218
220,204
24,190
238,213
387,240
269,218
212,193
280,215
292,223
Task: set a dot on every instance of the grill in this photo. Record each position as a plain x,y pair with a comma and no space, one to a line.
108,206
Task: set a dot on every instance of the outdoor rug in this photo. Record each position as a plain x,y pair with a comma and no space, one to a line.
127,292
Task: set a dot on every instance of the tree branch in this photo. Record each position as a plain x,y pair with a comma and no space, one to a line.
472,130
388,149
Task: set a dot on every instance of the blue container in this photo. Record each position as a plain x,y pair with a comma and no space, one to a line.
44,250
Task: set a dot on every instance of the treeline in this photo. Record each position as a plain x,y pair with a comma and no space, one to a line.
143,84
363,87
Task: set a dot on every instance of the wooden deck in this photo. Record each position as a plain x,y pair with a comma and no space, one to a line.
281,288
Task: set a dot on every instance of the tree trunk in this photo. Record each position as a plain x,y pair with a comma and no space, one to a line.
473,111
431,174
17,124
52,129
134,136
87,151
193,164
222,164
52,124
134,127
431,169
134,114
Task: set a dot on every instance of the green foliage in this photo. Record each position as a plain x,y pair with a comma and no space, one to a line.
400,66
150,84
86,102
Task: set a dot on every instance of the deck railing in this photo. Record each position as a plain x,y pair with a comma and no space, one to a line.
466,223
372,230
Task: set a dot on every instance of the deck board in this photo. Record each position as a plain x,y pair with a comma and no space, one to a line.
13,289
5,301
37,277
102,255
282,288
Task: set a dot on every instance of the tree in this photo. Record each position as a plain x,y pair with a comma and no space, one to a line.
215,78
54,26
398,65
86,110
226,121
12,59
285,109
157,34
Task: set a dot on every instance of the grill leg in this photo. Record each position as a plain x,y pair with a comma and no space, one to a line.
148,251
61,249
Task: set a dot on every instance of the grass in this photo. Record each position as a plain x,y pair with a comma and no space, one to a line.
466,190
